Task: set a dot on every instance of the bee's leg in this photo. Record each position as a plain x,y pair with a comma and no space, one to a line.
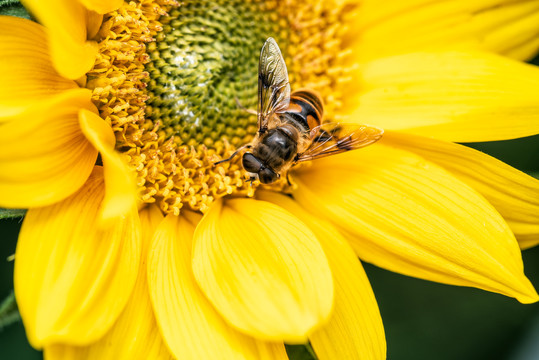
251,179
233,155
253,112
288,178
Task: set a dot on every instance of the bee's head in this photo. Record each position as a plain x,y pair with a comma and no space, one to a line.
253,165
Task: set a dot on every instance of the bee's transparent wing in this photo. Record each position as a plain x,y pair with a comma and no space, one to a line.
273,86
335,138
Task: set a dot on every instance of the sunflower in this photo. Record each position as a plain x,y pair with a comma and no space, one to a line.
188,260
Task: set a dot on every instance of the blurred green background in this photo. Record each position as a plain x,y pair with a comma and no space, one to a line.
423,320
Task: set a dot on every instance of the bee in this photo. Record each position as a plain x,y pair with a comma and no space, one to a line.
290,128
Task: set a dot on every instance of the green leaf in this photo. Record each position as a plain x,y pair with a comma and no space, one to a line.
9,313
11,213
9,2
13,8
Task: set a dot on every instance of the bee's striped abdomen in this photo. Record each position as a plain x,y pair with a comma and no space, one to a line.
305,109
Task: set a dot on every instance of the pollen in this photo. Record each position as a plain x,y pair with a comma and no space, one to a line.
168,77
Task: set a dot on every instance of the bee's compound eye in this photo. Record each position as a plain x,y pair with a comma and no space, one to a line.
251,163
267,176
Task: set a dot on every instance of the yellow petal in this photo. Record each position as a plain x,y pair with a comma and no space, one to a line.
355,329
191,327
135,334
66,23
93,23
121,191
44,156
526,241
454,96
72,279
514,194
522,52
28,75
410,216
102,6
271,351
263,270
506,27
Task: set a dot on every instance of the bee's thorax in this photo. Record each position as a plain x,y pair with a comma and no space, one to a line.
277,147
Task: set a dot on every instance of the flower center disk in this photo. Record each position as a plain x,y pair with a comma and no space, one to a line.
205,58
168,78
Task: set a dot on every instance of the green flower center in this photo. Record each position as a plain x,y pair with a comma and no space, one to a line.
205,58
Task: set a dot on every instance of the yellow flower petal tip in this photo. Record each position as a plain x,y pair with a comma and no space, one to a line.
66,23
355,330
135,334
530,296
121,191
506,27
413,217
73,66
528,243
44,156
102,6
263,269
61,254
453,96
191,327
513,193
29,75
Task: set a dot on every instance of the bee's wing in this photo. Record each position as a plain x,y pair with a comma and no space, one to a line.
335,138
273,86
